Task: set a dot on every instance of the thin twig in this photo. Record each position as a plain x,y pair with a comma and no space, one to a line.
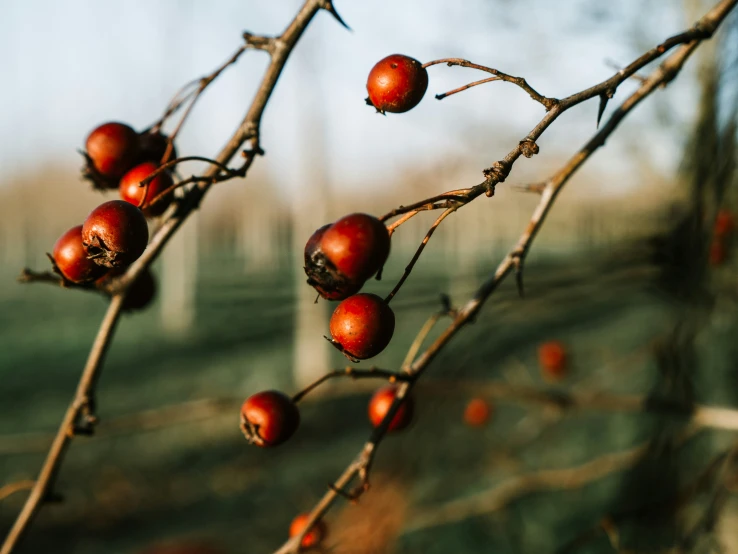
12,488
465,87
353,373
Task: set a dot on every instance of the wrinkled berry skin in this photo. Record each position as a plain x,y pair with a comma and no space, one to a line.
269,418
380,404
314,536
112,148
341,256
132,193
362,325
396,84
71,259
153,146
115,234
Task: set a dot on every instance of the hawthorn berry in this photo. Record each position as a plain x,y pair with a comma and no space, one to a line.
112,149
152,146
362,325
141,292
132,193
380,404
718,252
71,259
115,234
314,536
477,412
553,359
340,257
269,418
396,84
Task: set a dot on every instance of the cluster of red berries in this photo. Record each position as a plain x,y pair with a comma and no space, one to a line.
722,237
116,233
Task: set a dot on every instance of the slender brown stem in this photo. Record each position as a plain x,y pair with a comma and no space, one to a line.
465,87
353,373
419,251
12,488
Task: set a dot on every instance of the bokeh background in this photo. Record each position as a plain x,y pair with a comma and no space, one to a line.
620,274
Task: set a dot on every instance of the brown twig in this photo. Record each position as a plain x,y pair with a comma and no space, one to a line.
547,103
12,488
496,174
246,132
353,373
419,251
465,87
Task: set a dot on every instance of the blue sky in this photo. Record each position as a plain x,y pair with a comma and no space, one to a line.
68,66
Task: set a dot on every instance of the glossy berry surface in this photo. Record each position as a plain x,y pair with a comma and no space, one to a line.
112,148
269,418
115,234
341,256
379,406
553,359
133,194
396,84
153,146
314,536
362,325
477,412
71,259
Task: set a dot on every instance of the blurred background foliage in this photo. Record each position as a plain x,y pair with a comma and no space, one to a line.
621,275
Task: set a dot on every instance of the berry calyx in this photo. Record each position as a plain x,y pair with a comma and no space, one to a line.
553,360
314,536
379,406
269,418
396,84
115,234
340,257
131,192
362,325
477,412
112,149
70,258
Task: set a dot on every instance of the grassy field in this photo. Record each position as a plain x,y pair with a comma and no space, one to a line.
169,461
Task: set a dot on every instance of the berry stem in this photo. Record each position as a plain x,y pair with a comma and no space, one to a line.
353,373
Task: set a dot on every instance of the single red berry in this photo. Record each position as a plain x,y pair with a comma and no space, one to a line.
112,148
362,325
269,418
553,359
71,259
340,257
152,147
132,193
115,234
379,406
477,412
718,252
724,224
314,536
396,84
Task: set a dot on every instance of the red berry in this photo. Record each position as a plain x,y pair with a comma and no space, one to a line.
132,193
269,418
396,84
552,358
71,259
379,406
112,148
152,147
363,325
314,536
477,412
115,234
724,224
341,256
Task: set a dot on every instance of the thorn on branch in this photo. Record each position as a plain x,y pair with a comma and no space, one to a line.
330,8
259,42
517,259
604,98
